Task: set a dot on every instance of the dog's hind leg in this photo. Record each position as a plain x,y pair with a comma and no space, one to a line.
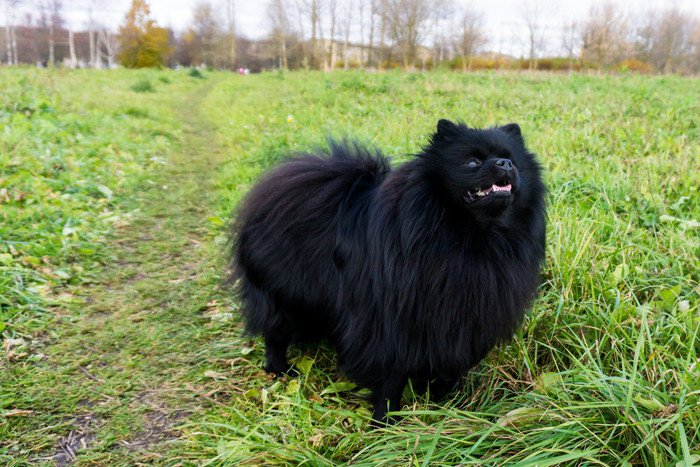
419,385
442,387
276,344
386,397
263,317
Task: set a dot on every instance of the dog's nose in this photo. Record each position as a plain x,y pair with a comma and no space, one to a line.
505,164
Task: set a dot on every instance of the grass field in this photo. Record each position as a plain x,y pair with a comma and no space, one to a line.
120,347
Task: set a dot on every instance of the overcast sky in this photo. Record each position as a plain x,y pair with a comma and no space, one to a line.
502,21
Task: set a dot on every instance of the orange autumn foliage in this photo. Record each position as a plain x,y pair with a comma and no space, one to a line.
143,43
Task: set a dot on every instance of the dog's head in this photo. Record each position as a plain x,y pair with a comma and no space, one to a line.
482,170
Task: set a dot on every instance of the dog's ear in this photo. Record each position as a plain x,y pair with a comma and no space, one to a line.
445,130
445,127
513,129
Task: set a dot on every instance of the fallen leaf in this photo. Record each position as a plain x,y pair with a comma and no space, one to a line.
10,344
292,387
221,317
316,439
521,416
17,413
305,364
340,386
214,374
667,411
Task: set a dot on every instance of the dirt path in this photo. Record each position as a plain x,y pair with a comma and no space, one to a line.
120,376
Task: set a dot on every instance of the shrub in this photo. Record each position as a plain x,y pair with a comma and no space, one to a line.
389,65
634,65
352,64
143,86
487,63
136,112
354,82
195,73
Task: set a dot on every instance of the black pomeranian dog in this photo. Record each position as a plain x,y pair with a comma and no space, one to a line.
414,272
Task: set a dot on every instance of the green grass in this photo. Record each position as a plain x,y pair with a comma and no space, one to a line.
137,350
76,354
67,158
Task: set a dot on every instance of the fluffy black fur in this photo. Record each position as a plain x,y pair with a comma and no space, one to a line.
415,272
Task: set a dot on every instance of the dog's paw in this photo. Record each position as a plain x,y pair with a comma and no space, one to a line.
280,369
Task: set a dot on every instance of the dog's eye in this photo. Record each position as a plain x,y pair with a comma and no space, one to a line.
473,162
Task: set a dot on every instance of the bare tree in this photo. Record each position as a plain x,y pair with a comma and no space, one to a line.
52,40
11,7
694,55
408,23
384,30
361,21
51,12
604,35
207,36
333,18
93,29
311,11
280,29
231,30
71,47
532,14
445,40
309,16
373,13
665,40
470,36
92,38
299,19
346,32
569,41
13,37
108,45
8,35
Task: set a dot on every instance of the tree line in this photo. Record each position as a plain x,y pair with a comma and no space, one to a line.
377,34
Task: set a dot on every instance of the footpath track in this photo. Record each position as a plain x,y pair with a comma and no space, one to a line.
119,377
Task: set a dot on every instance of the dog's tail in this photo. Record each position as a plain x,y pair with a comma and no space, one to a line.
355,166
307,194
358,159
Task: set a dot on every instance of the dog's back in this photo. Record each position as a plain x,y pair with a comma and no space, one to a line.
290,235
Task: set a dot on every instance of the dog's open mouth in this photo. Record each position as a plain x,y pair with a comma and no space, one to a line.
495,189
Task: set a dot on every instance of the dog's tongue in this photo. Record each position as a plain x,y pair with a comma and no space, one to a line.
501,188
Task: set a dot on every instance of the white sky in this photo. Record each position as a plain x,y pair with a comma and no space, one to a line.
501,17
